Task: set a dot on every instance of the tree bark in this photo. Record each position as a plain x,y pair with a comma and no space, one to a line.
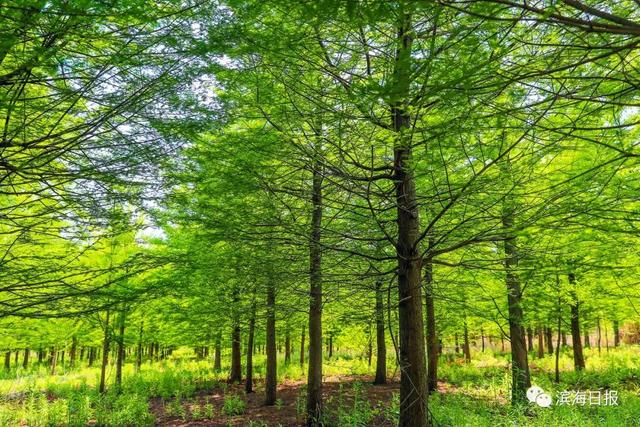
217,358
432,336
7,361
529,339
578,357
139,350
272,366
549,334
287,346
413,373
466,348
381,345
302,349
540,343
105,354
236,350
25,360
616,333
519,363
314,375
248,384
72,354
120,354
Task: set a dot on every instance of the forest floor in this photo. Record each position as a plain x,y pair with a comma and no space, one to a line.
339,391
184,391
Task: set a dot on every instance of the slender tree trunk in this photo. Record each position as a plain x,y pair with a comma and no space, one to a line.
466,348
54,360
314,377
217,358
557,379
578,357
72,354
271,379
381,345
599,338
236,350
330,345
482,337
616,333
25,359
587,341
287,346
7,361
549,333
139,351
529,339
457,344
105,354
540,343
248,385
302,349
519,363
120,359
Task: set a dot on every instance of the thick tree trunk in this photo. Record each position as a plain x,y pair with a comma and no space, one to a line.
578,357
302,349
271,379
413,373
381,345
121,355
105,354
519,363
248,384
616,333
314,376
432,336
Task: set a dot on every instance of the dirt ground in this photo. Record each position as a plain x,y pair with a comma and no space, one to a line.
287,412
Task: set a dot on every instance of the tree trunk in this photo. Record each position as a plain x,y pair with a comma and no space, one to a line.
519,363
25,360
120,359
271,379
549,334
302,349
578,357
105,354
587,341
217,358
314,375
248,384
599,338
7,361
616,333
236,350
529,339
413,373
72,354
54,360
330,345
540,343
432,336
287,346
482,337
557,379
381,345
466,348
139,350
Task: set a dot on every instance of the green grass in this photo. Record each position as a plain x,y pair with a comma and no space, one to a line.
476,394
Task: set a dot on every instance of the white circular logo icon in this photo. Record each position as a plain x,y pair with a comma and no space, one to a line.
537,395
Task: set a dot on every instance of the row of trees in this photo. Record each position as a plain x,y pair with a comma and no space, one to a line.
409,172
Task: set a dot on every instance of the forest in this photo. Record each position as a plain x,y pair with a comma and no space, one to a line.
319,213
